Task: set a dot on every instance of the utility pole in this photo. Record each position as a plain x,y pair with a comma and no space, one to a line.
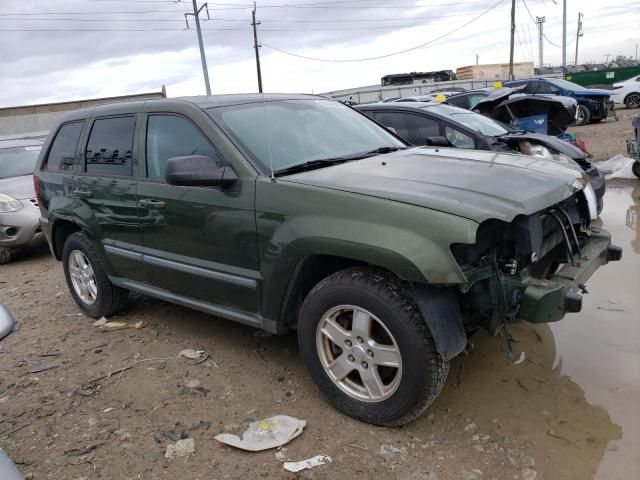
256,46
196,13
564,33
578,35
607,57
540,21
478,56
513,30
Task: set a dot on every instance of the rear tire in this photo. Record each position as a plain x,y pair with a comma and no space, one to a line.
632,100
89,286
584,115
5,255
395,335
635,168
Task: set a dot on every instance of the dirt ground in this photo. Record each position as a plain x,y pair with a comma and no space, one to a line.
568,411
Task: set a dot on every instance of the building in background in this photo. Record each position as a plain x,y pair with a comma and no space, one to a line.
495,71
36,120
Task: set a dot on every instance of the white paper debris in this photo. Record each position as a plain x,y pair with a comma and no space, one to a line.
182,448
521,359
191,353
264,434
308,463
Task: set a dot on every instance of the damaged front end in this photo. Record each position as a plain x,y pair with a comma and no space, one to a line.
533,267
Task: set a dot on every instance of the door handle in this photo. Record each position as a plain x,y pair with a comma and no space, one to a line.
151,203
82,193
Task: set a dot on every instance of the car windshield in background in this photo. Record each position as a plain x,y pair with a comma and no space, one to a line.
18,161
283,134
474,121
572,87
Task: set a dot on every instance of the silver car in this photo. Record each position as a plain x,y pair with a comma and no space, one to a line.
19,213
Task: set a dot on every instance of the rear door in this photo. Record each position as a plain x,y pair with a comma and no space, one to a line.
200,242
106,187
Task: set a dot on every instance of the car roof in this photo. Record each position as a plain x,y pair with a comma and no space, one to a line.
397,105
202,101
20,143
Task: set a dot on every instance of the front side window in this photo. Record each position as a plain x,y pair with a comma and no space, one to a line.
18,161
458,139
63,149
170,136
285,133
413,128
110,146
471,120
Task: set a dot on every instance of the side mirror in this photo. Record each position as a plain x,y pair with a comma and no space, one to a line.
198,171
437,142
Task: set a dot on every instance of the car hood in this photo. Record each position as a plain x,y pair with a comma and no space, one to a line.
549,141
593,92
18,187
477,185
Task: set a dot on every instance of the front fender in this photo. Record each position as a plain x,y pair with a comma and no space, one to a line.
410,241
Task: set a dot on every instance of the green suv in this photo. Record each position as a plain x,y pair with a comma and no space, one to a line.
295,212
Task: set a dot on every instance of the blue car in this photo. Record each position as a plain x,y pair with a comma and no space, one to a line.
593,105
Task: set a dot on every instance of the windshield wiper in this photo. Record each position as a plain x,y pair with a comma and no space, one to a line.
325,162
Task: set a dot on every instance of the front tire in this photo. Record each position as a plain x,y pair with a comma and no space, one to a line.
635,168
5,255
584,115
632,100
367,347
88,282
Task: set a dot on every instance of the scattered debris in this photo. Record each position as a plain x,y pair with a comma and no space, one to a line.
281,454
107,410
51,353
182,448
76,452
113,326
473,474
139,325
101,321
41,367
521,359
178,432
470,427
386,449
308,463
191,354
528,474
264,434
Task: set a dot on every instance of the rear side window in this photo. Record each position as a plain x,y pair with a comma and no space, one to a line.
110,145
170,136
63,149
413,128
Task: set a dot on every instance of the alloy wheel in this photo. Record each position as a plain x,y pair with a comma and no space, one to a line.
83,278
633,100
358,353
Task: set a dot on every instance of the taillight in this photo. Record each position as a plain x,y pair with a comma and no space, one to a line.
36,187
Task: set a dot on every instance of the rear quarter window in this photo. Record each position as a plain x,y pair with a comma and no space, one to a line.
62,153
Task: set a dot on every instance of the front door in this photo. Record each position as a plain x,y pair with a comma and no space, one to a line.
199,242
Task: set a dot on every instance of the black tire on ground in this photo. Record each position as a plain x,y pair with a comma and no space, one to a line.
584,115
5,255
109,299
389,299
632,100
635,168
596,120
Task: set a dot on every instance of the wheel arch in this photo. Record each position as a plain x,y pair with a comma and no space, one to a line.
61,230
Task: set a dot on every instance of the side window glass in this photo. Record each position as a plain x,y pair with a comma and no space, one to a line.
475,100
413,128
532,87
171,136
458,139
461,101
110,145
63,149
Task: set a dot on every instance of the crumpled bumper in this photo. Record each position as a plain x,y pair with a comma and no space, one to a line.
547,300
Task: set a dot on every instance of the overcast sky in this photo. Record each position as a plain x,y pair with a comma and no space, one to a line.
54,50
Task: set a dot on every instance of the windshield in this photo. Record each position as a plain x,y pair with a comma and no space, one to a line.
18,161
471,120
281,134
572,87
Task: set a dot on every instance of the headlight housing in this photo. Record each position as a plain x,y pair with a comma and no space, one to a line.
9,204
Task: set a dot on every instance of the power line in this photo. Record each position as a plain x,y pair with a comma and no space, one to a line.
388,54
